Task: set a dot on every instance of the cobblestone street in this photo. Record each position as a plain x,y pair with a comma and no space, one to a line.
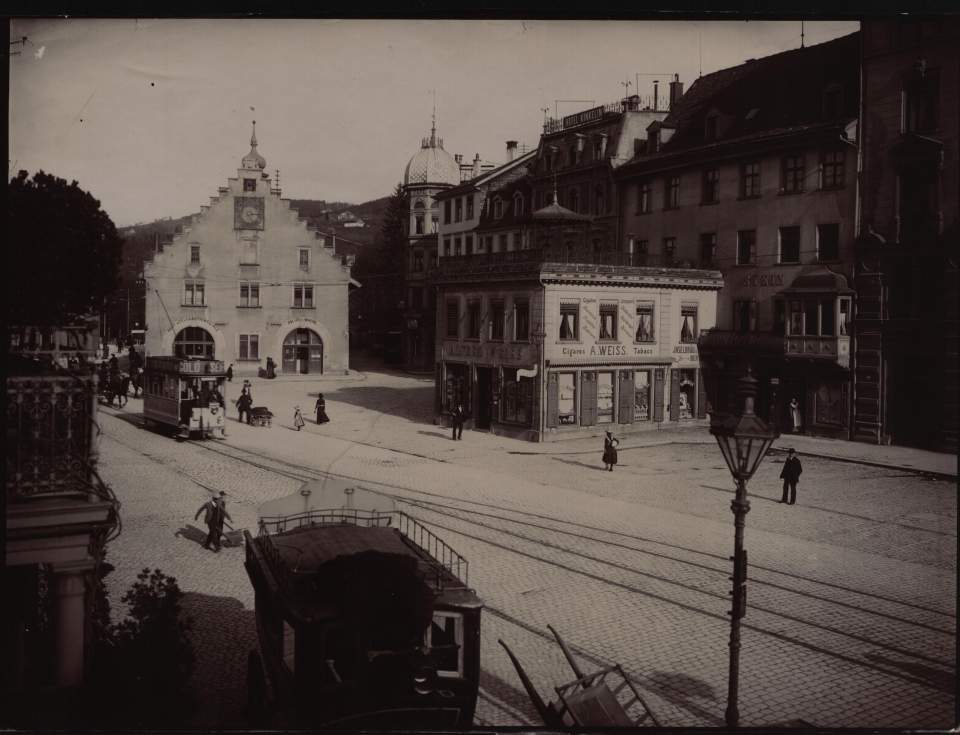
851,617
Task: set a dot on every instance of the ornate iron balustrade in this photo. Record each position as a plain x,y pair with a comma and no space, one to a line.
442,558
51,425
563,256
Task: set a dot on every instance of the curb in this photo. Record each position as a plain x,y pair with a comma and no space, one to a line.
868,463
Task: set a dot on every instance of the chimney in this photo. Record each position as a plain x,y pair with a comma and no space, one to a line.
656,98
511,150
476,164
676,90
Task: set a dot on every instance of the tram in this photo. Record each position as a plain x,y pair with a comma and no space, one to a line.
185,394
364,617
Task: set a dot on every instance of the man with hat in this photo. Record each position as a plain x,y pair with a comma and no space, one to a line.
790,474
214,512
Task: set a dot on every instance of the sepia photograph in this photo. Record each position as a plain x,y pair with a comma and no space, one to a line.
319,330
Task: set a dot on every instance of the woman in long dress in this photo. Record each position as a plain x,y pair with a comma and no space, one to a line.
610,451
298,421
795,417
321,409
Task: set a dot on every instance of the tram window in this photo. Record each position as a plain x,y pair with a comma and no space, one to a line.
446,635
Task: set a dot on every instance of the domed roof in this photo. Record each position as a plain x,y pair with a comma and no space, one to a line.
431,164
253,159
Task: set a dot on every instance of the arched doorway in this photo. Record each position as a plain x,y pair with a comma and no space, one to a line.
302,352
193,342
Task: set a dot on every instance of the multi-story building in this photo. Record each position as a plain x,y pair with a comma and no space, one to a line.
578,155
248,280
58,514
909,245
541,337
754,172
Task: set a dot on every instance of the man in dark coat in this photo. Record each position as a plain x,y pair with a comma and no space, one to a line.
244,404
456,418
791,476
214,513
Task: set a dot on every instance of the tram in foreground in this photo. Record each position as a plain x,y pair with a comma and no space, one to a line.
364,617
185,394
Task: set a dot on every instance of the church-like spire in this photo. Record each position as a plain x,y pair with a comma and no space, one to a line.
253,160
253,135
433,123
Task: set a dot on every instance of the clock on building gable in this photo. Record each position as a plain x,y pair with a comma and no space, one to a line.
248,213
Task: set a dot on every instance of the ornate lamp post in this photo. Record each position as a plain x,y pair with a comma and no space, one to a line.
744,439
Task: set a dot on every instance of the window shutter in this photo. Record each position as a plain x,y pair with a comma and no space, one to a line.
701,396
553,401
626,397
674,395
658,394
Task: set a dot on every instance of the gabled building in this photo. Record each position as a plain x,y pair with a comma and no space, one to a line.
247,280
908,249
753,172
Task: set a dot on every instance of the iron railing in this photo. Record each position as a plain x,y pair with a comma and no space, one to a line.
51,427
441,559
567,256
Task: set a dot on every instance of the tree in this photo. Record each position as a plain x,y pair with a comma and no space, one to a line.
385,258
63,251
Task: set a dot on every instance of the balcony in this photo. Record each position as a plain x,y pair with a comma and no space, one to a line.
834,349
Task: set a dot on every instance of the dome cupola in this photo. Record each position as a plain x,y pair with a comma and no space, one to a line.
432,164
253,160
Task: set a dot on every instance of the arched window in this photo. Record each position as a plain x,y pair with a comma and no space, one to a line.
518,204
193,342
418,217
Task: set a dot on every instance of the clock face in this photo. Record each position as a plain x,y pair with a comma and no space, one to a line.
248,213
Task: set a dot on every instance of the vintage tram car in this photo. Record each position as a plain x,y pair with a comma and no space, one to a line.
185,394
364,617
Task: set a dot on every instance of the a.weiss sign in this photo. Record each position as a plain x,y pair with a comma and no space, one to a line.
581,117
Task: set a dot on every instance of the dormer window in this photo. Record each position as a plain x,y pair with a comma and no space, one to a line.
710,126
497,208
653,137
518,205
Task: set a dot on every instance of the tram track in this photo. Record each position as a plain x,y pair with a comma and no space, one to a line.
514,539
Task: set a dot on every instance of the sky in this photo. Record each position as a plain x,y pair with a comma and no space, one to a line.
152,116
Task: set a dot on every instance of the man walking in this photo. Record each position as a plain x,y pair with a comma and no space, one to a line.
457,417
214,512
791,476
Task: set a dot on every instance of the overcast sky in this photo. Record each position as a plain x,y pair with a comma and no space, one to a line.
152,116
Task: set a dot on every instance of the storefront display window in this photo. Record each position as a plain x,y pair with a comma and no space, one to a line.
688,394
516,398
829,405
457,387
567,398
604,398
641,392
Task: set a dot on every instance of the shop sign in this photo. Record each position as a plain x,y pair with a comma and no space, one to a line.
492,352
762,280
685,353
607,350
595,113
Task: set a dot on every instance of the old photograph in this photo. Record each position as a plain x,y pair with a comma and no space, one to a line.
319,332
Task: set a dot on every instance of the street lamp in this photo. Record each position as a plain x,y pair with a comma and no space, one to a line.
744,439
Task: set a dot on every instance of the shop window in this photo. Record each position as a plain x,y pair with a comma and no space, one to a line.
644,323
605,413
671,192
458,209
453,318
566,398
711,186
249,184
194,293
302,296
708,250
750,180
745,315
496,321
791,174
516,398
746,247
249,347
470,207
569,321
789,245
445,634
457,387
688,393
608,321
828,242
641,395
521,320
194,255
832,167
473,320
688,324
644,198
249,294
